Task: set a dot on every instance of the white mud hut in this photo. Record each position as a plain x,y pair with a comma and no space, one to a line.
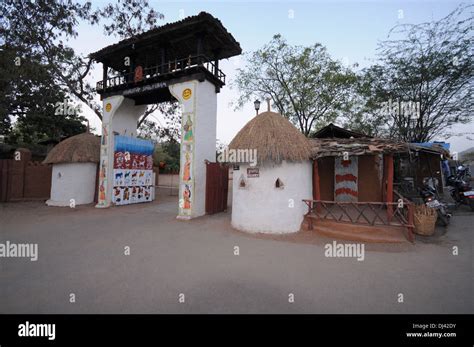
267,197
75,163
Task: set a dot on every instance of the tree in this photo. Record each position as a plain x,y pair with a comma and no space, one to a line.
32,99
305,84
422,84
43,28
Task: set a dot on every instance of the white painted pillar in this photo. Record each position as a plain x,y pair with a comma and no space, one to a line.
120,116
198,143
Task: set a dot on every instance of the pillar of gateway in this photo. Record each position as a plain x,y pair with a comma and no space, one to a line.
177,61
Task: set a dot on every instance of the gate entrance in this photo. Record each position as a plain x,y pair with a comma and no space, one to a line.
177,61
217,187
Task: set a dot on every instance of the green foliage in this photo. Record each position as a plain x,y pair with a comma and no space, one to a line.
305,84
43,29
167,140
30,97
429,65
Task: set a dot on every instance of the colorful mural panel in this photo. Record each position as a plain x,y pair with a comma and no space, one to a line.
133,170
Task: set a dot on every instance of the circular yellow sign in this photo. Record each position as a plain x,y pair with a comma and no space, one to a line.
187,93
108,107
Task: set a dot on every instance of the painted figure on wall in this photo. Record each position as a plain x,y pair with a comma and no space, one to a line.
187,168
187,197
188,129
103,173
101,192
103,139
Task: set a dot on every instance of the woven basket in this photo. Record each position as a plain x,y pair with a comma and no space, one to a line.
425,220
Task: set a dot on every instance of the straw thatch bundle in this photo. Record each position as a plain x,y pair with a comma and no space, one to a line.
274,138
80,148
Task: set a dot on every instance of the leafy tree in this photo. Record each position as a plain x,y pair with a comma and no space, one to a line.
43,28
305,84
425,72
31,98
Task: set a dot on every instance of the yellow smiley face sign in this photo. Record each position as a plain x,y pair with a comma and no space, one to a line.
187,93
108,107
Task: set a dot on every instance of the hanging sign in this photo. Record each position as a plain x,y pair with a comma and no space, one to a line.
253,172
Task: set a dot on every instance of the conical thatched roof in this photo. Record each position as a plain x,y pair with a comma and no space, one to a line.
274,137
80,148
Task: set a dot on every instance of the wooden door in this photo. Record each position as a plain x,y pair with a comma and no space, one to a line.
217,187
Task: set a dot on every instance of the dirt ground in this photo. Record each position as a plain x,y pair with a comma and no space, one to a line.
81,251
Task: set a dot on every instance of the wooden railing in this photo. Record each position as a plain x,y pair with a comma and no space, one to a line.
399,213
169,68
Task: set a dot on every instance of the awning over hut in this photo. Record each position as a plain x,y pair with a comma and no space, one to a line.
333,147
330,147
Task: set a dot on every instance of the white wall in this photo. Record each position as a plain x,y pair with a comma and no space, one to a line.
121,118
72,181
201,106
260,207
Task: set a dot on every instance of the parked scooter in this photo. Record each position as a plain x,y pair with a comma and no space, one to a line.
431,199
460,189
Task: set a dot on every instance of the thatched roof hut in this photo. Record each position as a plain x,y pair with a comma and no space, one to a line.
261,192
274,138
82,148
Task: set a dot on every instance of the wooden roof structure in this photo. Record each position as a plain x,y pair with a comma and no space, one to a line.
334,131
179,38
334,147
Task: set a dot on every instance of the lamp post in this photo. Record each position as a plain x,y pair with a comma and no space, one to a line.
256,104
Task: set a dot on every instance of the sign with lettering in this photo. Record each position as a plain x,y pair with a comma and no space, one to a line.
253,172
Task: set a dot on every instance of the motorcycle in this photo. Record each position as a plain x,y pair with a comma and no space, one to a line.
460,189
431,199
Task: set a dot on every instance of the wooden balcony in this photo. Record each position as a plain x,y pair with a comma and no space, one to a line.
198,66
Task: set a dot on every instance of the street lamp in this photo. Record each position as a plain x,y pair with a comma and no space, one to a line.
256,104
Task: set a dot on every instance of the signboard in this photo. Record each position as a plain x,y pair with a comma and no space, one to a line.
253,172
133,170
144,89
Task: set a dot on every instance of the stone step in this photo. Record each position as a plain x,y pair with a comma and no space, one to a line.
361,233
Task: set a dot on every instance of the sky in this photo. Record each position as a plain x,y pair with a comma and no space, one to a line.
349,29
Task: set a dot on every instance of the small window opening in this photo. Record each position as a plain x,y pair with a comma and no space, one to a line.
279,183
242,183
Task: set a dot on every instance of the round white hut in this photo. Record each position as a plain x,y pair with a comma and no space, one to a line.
267,197
74,170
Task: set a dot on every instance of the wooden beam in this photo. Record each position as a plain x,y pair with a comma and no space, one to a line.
316,187
104,75
389,196
316,184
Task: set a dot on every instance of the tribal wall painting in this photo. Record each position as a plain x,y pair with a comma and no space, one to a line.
133,170
186,171
102,198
